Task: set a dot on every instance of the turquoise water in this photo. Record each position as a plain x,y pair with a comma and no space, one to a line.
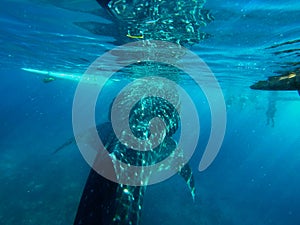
253,180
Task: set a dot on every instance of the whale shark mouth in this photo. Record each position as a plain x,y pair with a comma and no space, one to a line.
151,20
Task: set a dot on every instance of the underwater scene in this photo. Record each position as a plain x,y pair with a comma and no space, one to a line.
141,112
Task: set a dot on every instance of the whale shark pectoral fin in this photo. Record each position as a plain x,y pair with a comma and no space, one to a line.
64,145
187,174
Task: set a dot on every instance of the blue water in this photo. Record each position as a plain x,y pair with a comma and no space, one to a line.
255,177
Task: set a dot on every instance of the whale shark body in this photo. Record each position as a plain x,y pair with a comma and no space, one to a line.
106,202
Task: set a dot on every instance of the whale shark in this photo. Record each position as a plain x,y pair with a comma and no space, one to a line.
103,201
106,202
